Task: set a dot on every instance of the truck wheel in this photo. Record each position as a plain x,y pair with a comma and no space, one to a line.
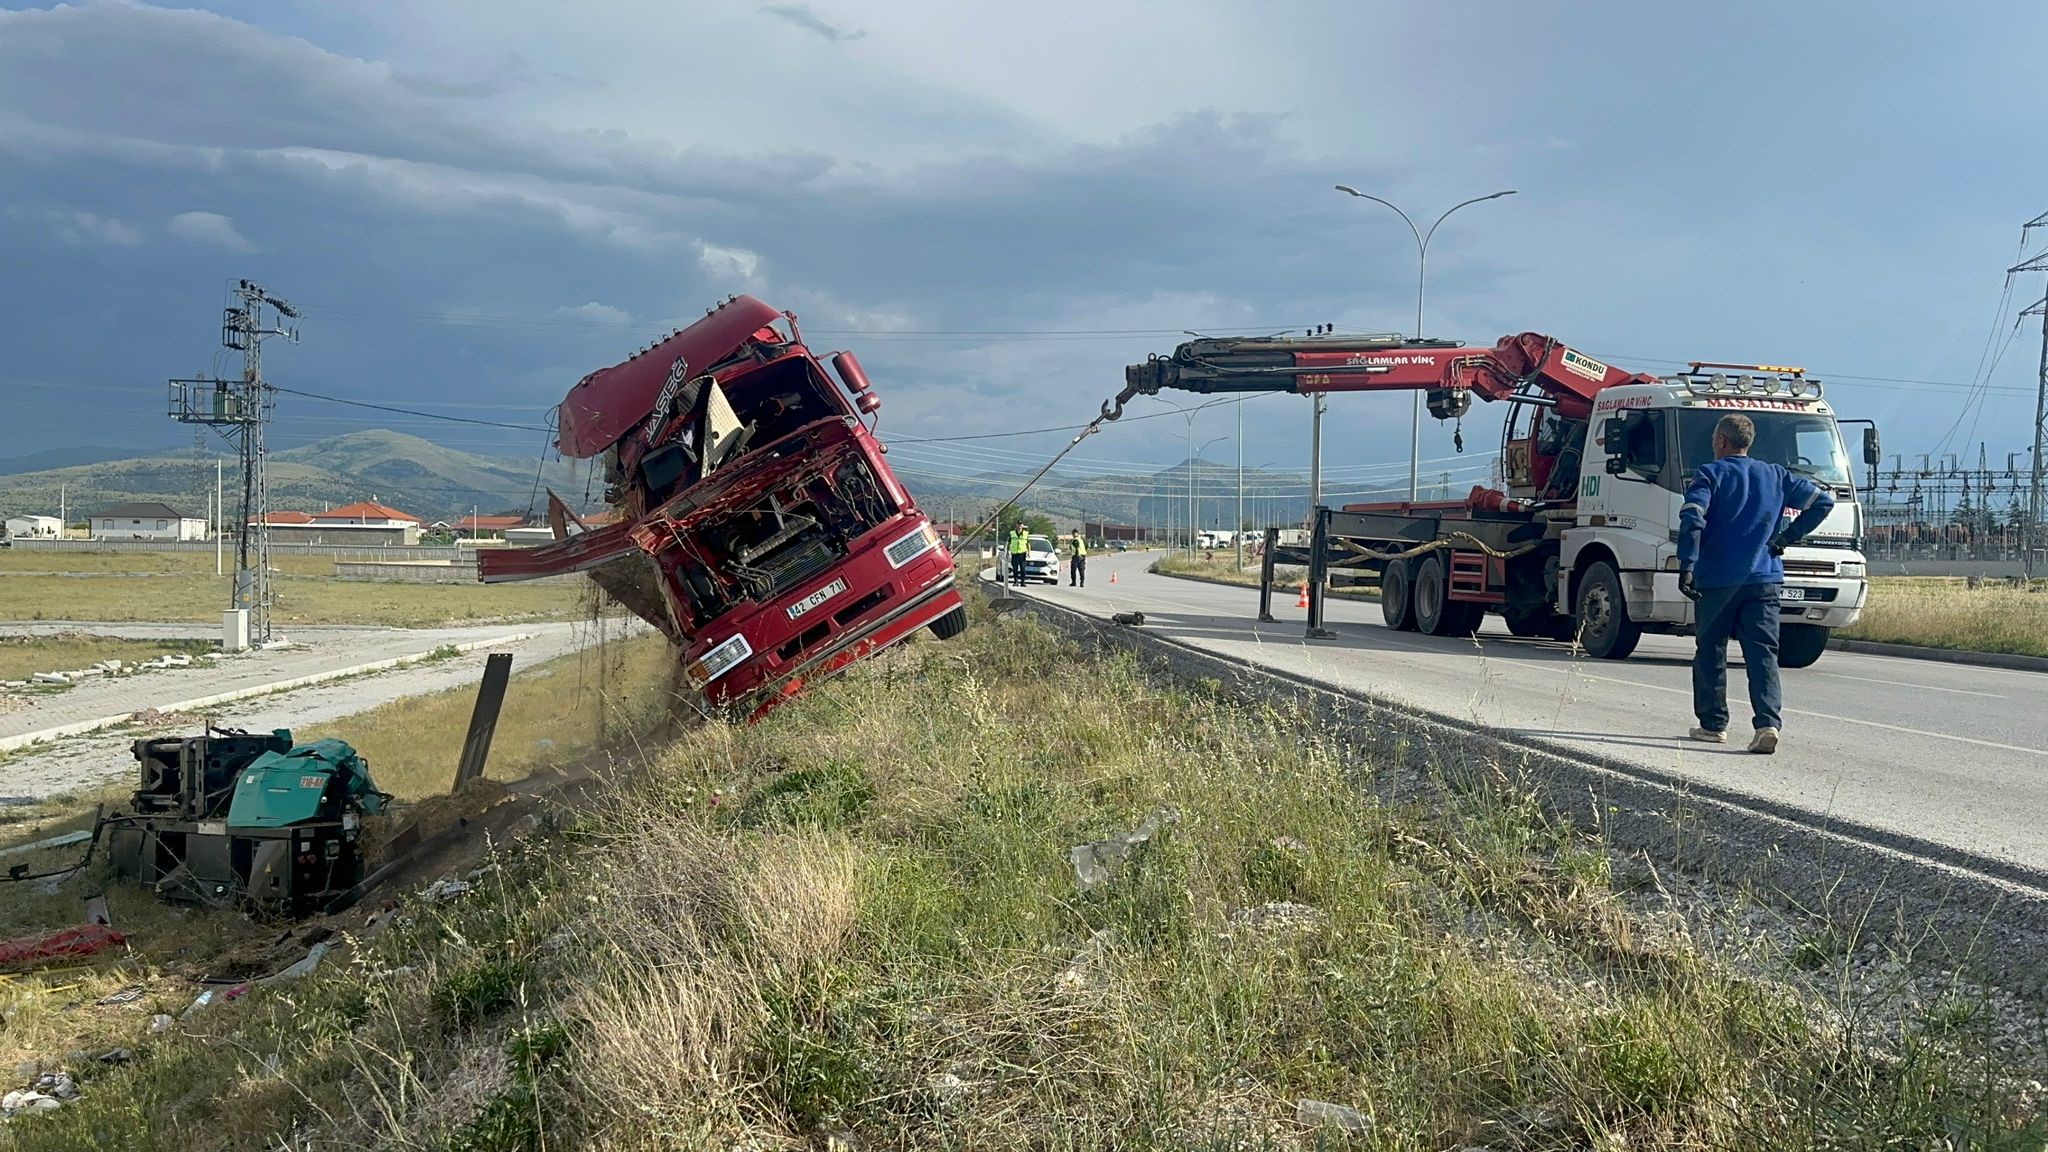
1397,596
1435,612
1799,645
1604,626
951,624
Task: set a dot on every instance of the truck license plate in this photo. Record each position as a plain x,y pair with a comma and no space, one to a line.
816,598
1791,593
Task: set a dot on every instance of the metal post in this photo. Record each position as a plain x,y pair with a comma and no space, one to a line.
2034,496
1237,529
483,720
219,513
1266,577
1318,574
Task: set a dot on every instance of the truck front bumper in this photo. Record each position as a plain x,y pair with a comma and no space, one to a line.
1828,602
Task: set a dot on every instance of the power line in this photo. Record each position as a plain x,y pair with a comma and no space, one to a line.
411,411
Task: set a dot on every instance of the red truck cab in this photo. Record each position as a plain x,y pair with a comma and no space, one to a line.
757,522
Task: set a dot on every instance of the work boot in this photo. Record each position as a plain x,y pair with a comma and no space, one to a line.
1709,735
1766,741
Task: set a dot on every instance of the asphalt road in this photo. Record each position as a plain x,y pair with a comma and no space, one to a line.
1948,754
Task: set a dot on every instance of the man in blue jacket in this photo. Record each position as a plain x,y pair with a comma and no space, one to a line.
1729,544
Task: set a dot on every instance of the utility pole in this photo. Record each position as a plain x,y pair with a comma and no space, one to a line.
1237,529
2030,538
238,410
219,514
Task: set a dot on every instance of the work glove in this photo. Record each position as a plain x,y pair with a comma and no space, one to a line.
1777,544
1687,587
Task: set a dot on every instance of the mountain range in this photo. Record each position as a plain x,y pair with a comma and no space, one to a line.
434,482
405,472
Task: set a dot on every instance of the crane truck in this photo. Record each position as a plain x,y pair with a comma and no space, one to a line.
755,521
1580,540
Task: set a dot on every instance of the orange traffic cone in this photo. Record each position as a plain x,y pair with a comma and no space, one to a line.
1112,576
1302,601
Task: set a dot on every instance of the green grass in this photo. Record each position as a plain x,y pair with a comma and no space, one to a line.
1937,612
180,587
24,656
858,920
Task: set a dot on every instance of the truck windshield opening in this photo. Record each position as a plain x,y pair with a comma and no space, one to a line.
1806,443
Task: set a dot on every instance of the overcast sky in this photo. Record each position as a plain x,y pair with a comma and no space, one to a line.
477,202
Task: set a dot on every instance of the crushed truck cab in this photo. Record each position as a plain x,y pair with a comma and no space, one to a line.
755,520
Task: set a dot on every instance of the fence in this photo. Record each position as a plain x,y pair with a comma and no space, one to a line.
386,552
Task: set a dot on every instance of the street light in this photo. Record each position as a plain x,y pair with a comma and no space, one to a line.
1194,501
1421,282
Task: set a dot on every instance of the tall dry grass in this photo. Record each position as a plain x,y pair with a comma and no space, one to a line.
857,925
1943,613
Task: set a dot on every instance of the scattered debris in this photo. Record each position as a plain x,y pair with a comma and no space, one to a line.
444,890
78,940
304,967
204,999
161,1023
1322,1114
19,1101
116,1056
130,995
1129,619
1093,861
61,841
157,718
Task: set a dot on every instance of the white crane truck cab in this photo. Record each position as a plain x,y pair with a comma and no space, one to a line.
1643,444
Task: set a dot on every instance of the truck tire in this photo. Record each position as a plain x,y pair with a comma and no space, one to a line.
951,624
1397,596
1604,627
1435,612
1799,645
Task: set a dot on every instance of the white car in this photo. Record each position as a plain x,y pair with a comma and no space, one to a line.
1042,562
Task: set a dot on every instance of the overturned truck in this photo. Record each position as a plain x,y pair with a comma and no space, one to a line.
754,520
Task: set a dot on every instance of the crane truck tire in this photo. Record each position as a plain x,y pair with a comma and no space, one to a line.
951,624
1436,614
1604,627
1799,645
1397,596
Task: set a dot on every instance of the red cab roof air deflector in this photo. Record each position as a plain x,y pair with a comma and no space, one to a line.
605,405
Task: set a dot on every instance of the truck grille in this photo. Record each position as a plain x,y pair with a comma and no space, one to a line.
794,565
1811,567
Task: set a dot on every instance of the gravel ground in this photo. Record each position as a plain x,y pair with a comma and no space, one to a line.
85,762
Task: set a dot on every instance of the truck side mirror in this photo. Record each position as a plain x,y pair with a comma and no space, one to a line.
1613,434
1616,465
1873,450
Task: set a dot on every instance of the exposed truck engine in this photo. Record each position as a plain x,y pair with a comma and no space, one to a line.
754,521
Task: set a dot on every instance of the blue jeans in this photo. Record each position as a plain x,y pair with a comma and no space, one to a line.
1747,614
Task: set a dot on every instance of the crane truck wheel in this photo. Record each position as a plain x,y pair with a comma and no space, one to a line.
1604,627
951,624
1397,596
1435,612
1799,645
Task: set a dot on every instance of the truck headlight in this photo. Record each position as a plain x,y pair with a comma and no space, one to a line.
1850,569
719,660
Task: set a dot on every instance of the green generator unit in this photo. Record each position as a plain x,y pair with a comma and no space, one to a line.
232,818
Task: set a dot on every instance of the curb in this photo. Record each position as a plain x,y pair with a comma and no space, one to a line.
1983,913
80,727
2004,660
1945,655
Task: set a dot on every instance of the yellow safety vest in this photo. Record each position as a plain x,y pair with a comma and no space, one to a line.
1019,543
1080,546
